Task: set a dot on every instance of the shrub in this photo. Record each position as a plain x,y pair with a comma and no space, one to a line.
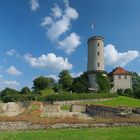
120,91
74,96
128,92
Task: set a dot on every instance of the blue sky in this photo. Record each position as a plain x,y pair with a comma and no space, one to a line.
42,37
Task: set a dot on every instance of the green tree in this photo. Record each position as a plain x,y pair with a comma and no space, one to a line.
40,83
58,87
8,91
66,80
80,84
25,90
136,84
51,82
103,83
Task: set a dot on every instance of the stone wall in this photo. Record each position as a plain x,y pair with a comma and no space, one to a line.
105,111
78,108
22,125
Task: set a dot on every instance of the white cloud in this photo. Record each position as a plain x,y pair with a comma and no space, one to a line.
56,28
49,61
46,21
11,52
13,71
56,11
76,74
8,83
115,58
34,4
70,43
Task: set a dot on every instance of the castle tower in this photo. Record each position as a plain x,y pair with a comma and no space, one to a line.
95,59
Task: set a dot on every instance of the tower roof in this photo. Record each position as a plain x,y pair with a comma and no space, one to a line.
119,71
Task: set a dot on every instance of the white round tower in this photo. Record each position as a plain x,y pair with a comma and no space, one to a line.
95,59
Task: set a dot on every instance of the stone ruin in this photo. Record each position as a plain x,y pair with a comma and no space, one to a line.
46,109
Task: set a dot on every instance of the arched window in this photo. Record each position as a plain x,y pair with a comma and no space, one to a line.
98,44
98,53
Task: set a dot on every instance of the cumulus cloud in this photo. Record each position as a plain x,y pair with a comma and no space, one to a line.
76,74
56,28
56,11
70,43
34,5
115,58
11,52
8,83
13,71
49,61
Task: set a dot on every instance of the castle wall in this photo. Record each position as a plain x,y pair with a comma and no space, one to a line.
121,82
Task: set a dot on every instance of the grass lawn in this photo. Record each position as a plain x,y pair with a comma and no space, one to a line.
120,100
118,133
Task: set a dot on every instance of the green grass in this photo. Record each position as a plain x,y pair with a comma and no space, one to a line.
65,107
118,133
120,100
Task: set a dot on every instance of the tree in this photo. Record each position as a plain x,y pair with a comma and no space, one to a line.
65,79
136,84
40,83
103,82
51,82
8,91
57,87
80,84
25,90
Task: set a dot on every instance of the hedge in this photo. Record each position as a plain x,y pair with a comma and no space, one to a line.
74,96
55,97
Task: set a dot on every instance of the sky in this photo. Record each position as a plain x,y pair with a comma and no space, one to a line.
44,37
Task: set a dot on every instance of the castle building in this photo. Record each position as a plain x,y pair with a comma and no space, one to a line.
95,60
120,78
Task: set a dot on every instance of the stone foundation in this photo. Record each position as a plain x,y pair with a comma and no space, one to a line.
14,126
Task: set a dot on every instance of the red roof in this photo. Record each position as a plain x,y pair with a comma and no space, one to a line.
119,71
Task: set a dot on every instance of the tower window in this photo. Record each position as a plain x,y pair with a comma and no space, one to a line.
98,53
119,76
98,64
98,44
125,76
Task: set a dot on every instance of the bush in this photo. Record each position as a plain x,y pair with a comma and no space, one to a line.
120,91
74,96
128,92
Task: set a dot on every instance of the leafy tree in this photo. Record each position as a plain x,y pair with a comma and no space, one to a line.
8,91
65,79
40,83
136,84
57,87
81,84
51,82
25,90
103,82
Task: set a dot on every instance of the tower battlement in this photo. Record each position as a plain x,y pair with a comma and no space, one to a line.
95,38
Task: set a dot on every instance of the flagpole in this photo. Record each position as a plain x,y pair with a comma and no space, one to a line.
93,28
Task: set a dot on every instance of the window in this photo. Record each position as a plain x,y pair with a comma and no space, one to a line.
125,76
119,76
98,53
98,44
98,64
